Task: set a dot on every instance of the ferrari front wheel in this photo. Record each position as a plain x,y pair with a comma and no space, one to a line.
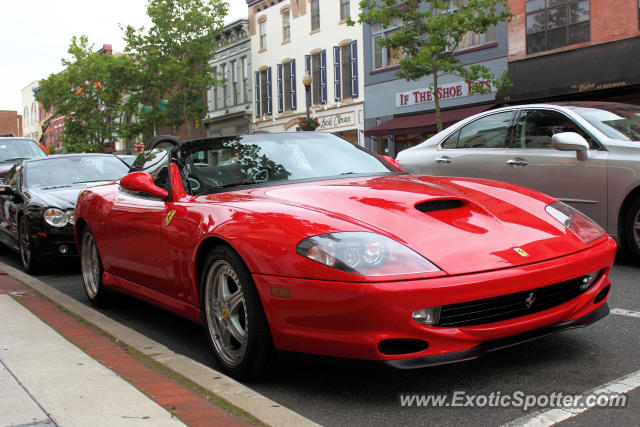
92,270
232,313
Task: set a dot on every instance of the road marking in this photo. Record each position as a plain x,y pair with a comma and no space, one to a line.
554,416
623,312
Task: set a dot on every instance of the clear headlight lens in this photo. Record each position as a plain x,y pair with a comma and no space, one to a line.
365,254
581,225
58,218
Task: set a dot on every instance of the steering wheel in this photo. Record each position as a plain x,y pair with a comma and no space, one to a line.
194,183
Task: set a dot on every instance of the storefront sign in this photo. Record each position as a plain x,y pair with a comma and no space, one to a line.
448,91
336,120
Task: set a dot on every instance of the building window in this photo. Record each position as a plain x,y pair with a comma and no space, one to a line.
345,58
471,39
384,57
225,86
245,80
316,75
286,26
315,15
552,24
287,85
215,90
263,34
264,95
234,80
344,10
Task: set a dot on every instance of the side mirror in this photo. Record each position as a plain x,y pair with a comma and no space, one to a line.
571,141
393,162
142,182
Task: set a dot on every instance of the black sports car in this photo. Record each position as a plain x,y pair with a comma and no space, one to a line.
38,199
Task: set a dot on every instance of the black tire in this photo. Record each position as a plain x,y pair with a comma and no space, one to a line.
29,258
227,317
631,230
92,270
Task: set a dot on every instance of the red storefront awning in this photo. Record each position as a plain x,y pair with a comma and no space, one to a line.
426,122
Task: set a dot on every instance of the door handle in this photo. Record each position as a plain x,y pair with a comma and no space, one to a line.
443,160
517,163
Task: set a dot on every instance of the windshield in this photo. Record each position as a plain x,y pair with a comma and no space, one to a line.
12,150
66,171
617,121
213,164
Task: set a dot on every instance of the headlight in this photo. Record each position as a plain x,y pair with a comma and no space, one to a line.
362,253
58,218
581,225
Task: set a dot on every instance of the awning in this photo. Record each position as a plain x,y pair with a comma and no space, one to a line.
574,74
425,122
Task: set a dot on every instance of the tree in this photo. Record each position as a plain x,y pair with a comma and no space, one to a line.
89,94
173,56
430,32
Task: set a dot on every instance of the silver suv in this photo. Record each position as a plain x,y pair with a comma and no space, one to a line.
586,154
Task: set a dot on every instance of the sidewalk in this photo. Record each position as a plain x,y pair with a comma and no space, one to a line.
55,370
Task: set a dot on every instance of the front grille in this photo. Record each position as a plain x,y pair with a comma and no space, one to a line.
510,306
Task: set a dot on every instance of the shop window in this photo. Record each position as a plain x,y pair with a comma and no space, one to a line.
552,24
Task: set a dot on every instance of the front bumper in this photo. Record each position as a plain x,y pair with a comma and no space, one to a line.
488,346
49,244
351,320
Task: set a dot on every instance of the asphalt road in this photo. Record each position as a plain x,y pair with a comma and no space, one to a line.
337,392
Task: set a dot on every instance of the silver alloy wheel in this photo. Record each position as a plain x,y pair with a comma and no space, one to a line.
25,245
636,228
226,313
90,265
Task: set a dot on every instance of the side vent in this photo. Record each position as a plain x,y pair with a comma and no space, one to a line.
438,205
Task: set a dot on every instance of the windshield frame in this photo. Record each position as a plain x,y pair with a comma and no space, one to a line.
605,129
29,164
181,153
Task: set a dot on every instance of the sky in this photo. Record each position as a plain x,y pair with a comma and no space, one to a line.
35,36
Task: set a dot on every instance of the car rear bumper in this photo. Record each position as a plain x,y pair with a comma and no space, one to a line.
358,320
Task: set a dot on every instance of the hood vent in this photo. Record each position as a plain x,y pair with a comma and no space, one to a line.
438,205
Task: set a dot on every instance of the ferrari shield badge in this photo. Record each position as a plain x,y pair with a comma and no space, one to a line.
169,217
521,252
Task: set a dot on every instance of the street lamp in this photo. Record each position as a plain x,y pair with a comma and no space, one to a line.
306,81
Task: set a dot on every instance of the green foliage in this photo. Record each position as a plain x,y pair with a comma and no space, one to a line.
429,33
174,56
89,94
166,68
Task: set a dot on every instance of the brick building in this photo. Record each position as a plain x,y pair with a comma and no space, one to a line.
10,123
574,50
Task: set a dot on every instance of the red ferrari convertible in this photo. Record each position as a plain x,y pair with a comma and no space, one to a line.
306,242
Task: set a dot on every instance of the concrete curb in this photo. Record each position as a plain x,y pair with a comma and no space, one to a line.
262,408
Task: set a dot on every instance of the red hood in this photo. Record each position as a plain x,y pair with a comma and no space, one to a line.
481,234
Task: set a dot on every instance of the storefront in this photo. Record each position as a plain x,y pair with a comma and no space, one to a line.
345,121
401,131
603,72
